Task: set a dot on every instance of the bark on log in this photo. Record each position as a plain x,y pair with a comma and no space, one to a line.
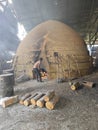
51,104
88,84
24,98
49,95
6,85
10,101
75,86
27,102
41,102
34,100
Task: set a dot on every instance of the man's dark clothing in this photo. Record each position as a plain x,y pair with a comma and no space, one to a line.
37,74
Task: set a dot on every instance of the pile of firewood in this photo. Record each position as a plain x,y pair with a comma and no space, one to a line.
47,100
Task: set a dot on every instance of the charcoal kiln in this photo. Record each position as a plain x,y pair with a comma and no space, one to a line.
64,52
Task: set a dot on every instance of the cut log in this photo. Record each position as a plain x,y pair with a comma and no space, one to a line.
10,101
27,102
34,100
75,86
41,102
24,98
49,95
3,99
51,104
88,84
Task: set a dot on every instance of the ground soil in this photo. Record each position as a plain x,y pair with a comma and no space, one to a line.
76,110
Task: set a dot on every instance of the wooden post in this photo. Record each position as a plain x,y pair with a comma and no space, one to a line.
9,101
51,104
34,100
24,98
49,95
27,102
41,102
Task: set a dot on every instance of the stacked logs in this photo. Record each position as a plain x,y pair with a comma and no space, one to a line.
48,99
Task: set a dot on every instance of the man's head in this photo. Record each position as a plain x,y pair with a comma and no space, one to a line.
41,59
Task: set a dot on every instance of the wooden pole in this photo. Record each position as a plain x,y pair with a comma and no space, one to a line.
51,104
34,100
49,95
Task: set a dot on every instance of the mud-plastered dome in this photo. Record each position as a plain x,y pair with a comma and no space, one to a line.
64,52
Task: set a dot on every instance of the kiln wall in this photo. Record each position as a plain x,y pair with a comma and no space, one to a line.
47,39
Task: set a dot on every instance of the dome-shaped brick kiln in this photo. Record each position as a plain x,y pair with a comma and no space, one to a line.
64,52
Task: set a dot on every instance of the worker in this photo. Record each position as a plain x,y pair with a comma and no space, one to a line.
36,69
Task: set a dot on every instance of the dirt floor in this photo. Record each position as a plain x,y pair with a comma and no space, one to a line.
76,110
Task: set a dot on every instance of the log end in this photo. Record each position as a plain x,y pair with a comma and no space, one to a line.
46,99
33,102
26,103
49,106
73,88
40,104
21,102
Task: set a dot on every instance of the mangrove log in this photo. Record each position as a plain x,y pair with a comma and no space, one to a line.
27,102
51,104
34,100
49,95
9,101
27,95
41,102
